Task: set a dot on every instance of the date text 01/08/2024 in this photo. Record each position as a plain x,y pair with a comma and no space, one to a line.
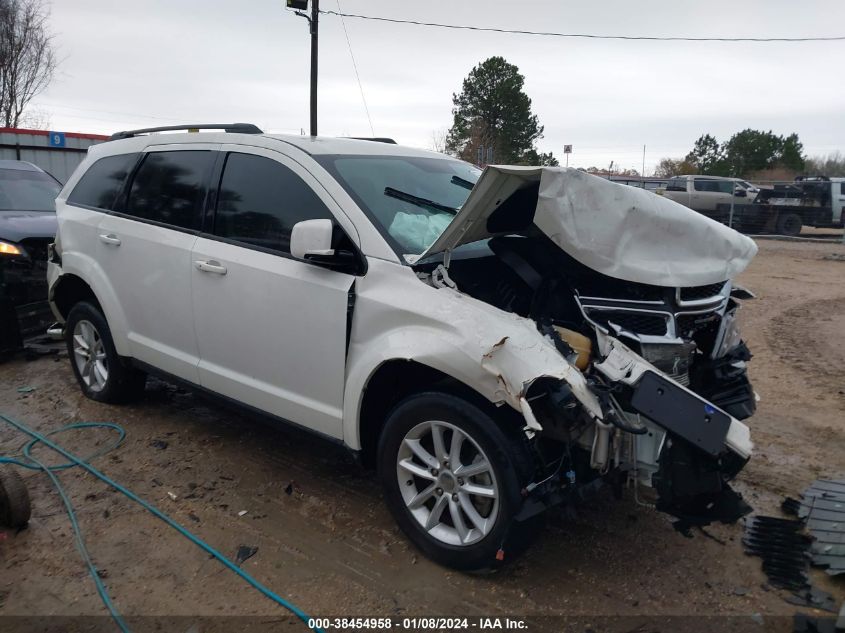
418,623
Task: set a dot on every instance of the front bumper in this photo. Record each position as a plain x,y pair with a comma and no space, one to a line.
24,310
701,448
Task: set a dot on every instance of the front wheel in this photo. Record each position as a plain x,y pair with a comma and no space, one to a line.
101,373
452,480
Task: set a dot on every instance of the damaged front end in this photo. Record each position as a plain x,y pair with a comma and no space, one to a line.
661,383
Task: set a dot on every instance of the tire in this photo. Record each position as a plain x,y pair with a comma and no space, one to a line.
492,461
789,224
15,507
110,378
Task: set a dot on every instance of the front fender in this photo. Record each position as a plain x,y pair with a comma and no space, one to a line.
497,354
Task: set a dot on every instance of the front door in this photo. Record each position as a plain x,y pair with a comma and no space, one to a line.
271,328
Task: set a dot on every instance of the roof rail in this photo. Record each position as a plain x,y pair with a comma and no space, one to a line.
235,128
375,139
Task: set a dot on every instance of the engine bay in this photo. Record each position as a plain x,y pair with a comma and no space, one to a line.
686,334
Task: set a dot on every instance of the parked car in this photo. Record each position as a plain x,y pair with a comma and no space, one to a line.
491,351
705,193
27,227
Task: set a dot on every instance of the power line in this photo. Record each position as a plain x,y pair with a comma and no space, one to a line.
355,67
592,36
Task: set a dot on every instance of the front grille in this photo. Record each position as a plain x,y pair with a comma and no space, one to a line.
636,322
696,293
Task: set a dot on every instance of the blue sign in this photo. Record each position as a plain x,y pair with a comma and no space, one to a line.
57,139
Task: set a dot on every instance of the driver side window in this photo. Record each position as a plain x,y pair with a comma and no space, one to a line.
260,200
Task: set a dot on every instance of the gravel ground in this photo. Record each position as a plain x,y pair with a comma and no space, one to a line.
326,542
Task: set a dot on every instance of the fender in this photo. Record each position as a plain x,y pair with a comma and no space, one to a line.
89,270
497,354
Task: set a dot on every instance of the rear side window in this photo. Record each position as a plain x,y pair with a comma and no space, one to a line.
260,200
676,184
713,186
101,184
169,187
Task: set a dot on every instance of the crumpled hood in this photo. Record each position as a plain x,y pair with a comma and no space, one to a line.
20,225
615,229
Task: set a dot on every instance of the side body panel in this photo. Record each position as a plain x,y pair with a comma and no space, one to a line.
150,271
271,328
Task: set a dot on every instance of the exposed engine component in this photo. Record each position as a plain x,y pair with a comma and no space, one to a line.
659,426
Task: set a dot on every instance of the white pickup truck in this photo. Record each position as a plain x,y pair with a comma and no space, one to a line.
705,193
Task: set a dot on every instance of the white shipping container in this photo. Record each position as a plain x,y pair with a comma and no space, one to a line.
57,153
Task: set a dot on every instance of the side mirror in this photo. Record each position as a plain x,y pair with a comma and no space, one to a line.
739,192
311,238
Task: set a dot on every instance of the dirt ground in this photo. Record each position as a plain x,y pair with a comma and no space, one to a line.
328,543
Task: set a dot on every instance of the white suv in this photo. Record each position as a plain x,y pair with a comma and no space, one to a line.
495,344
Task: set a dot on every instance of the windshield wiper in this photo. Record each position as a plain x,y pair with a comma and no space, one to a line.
466,184
420,202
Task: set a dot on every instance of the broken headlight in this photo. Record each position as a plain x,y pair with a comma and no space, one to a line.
729,336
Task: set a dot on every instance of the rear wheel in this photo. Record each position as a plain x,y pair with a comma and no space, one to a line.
101,373
790,224
452,480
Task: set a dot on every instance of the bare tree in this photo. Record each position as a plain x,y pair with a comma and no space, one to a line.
27,60
438,140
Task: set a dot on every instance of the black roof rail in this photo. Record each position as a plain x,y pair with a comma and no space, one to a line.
235,128
375,139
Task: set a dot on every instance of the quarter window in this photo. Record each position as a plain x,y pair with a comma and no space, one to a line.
260,200
169,187
101,184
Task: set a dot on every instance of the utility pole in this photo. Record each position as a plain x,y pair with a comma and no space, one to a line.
315,17
299,7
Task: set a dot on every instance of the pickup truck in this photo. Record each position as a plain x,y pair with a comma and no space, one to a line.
786,208
705,194
783,209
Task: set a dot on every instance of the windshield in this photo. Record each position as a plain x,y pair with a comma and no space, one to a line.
24,190
411,200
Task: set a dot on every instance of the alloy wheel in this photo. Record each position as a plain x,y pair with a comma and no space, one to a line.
448,483
89,354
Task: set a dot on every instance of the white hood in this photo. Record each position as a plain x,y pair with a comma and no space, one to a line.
621,231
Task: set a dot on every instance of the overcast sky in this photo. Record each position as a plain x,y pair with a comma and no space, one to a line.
159,62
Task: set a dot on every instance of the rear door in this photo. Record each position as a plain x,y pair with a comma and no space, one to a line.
145,248
271,328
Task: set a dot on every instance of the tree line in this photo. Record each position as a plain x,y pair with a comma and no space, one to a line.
747,154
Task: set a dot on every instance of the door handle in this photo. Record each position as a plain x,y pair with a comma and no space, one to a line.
110,238
210,266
